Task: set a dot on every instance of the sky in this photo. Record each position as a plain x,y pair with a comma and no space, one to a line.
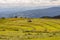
29,3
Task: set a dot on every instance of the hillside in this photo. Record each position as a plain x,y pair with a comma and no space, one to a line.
39,12
53,11
23,29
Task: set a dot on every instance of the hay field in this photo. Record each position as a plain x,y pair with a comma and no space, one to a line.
22,29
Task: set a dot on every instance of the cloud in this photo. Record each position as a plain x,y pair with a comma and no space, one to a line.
29,3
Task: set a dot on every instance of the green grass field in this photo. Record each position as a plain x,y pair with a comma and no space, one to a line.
21,29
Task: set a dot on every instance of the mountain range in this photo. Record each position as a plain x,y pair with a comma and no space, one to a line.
53,11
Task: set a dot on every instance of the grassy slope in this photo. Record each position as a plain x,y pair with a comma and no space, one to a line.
16,29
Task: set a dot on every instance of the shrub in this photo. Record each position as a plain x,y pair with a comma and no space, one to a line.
3,18
15,17
21,17
29,20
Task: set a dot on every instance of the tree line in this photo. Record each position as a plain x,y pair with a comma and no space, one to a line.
54,17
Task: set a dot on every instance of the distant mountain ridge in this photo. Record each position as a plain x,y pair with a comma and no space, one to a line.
40,12
53,11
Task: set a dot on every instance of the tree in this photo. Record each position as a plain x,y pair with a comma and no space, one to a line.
2,17
21,17
57,17
15,17
46,17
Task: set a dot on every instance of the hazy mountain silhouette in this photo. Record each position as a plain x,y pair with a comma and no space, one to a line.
53,11
40,12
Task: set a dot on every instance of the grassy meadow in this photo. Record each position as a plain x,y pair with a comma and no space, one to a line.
29,29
